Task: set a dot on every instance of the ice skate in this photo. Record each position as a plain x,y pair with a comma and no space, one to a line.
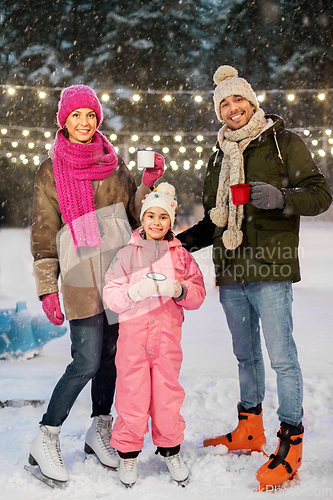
45,453
178,470
98,441
248,436
284,463
128,471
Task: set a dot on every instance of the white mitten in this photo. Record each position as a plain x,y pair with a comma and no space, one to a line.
169,288
142,290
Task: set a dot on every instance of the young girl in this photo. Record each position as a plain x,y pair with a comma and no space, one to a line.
149,283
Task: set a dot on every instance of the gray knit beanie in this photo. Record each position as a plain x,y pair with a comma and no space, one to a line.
228,83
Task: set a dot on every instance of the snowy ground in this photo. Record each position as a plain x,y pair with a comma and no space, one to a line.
209,376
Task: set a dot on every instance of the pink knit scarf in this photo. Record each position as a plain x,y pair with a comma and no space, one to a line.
75,165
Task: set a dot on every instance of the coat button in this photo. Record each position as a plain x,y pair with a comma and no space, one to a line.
152,322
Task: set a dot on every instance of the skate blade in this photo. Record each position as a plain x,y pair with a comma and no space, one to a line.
127,485
184,483
52,483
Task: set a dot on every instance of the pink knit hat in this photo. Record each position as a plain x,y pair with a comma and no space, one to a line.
76,97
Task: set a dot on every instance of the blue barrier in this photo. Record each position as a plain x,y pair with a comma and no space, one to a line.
23,334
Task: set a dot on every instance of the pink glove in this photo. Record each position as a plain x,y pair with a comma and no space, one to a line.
51,307
170,288
151,175
142,290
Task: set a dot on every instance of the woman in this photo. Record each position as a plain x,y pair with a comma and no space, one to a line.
84,200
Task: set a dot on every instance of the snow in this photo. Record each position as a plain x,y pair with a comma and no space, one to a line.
209,376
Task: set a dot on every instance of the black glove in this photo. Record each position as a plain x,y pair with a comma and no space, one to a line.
265,196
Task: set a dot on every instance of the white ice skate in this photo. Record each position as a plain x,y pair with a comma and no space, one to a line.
45,452
98,441
128,471
178,470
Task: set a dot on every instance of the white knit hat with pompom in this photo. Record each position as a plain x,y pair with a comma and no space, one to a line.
163,196
228,83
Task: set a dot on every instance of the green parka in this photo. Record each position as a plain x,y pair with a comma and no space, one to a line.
269,251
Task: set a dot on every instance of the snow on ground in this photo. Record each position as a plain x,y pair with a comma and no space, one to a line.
209,376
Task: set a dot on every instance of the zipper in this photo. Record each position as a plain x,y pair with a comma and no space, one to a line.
157,247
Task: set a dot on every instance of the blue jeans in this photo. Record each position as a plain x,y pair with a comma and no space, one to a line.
93,351
271,302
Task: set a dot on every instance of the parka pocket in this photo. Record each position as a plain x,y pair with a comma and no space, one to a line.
277,241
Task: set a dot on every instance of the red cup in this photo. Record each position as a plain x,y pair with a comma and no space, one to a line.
240,194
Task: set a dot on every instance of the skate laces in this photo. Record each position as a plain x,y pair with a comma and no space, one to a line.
129,464
104,431
175,461
52,443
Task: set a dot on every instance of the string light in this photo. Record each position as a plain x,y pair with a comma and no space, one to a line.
320,136
136,97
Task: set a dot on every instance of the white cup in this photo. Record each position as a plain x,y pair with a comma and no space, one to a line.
145,158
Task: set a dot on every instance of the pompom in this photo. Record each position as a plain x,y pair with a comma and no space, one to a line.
219,216
232,238
224,72
166,188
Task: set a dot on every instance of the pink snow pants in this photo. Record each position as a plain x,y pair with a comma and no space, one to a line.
148,364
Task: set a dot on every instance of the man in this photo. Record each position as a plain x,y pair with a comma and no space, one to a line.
255,252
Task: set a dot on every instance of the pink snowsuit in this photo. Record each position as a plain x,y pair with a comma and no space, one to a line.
149,353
